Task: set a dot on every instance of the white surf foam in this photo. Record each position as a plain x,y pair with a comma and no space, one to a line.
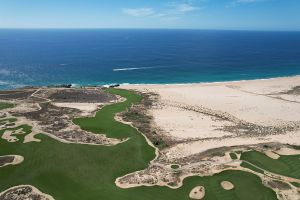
4,83
132,68
5,72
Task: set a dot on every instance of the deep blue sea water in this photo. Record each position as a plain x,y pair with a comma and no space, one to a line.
97,57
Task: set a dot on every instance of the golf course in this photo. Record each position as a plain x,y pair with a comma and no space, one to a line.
88,172
287,165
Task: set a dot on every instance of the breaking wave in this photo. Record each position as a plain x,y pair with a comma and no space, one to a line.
4,83
5,72
132,68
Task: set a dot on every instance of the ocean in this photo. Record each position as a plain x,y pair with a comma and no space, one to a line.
33,57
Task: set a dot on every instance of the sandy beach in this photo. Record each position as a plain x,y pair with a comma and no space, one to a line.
222,114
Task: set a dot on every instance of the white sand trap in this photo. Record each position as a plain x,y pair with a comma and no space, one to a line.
272,155
288,151
30,138
197,193
8,135
226,185
17,160
85,107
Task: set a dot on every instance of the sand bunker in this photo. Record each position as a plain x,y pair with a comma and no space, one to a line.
272,155
226,185
30,137
197,193
17,159
9,135
87,108
5,160
288,151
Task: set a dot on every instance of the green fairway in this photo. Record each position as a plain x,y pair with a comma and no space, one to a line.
4,105
87,172
285,165
247,165
296,184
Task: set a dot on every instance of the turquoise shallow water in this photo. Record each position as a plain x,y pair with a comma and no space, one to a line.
97,57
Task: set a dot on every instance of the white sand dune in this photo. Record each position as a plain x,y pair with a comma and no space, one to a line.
264,103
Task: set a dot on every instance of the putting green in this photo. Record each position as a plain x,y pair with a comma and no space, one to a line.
87,172
284,165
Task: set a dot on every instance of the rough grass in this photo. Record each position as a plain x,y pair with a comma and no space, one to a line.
4,105
285,165
87,172
233,156
10,120
175,166
295,184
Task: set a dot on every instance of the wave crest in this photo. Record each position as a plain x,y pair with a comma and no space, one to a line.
132,68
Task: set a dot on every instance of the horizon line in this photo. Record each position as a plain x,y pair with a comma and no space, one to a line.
131,28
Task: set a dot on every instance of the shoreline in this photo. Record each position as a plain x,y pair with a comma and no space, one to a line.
78,85
219,114
209,83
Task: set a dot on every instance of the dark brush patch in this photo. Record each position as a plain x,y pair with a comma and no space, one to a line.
6,159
